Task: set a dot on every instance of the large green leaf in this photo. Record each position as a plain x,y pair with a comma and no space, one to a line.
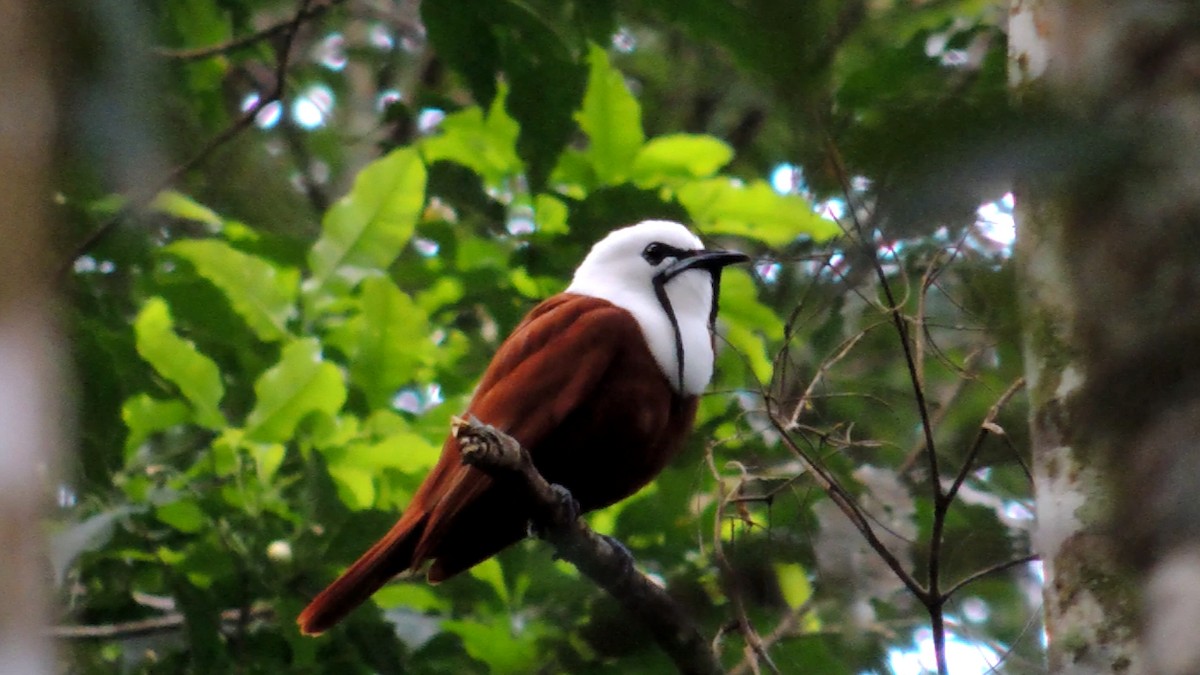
612,119
387,340
179,362
487,145
676,157
724,206
260,292
365,230
301,383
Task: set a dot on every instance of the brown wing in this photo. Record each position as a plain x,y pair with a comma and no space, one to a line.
551,362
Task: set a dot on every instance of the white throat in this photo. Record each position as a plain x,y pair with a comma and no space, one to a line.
631,288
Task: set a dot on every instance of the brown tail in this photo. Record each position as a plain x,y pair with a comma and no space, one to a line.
387,558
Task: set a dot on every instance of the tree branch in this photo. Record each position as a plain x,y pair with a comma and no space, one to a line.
246,41
998,567
232,620
987,426
756,651
599,558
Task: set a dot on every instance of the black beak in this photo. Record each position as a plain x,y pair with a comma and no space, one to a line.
712,261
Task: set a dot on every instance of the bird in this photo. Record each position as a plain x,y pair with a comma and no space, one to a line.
599,383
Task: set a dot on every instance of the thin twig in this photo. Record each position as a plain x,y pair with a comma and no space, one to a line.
246,41
998,567
786,627
986,427
932,598
757,651
230,622
842,351
844,501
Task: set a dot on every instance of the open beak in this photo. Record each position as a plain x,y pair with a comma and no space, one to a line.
709,260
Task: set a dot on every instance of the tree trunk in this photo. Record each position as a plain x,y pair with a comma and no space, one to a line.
1109,254
30,419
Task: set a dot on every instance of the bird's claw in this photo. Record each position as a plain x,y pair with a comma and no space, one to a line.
622,552
566,510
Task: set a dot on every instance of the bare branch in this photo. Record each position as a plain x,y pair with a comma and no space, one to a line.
998,567
843,350
599,558
246,41
785,628
848,506
757,651
232,620
987,426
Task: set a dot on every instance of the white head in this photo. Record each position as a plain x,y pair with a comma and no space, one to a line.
660,273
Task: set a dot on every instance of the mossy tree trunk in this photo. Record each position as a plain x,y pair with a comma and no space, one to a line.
1109,253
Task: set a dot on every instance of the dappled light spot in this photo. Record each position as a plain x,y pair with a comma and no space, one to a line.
386,98
787,179
268,116
380,37
429,119
624,41
963,656
331,52
313,107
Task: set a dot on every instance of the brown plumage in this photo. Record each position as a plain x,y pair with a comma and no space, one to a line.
577,386
598,383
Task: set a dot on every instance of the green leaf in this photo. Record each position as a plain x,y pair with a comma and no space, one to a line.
389,340
550,215
444,291
793,583
179,362
723,206
495,644
73,539
676,157
355,486
179,205
406,451
748,325
268,457
490,573
145,415
260,292
740,305
415,597
184,515
488,145
612,120
301,383
365,231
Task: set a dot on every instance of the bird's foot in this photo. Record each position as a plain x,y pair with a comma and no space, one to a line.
621,551
568,508
565,511
481,443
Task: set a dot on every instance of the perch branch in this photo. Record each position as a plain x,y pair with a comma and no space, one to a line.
599,558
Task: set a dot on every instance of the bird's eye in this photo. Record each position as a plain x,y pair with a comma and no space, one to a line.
655,252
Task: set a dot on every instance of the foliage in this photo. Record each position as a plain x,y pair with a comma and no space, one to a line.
267,373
